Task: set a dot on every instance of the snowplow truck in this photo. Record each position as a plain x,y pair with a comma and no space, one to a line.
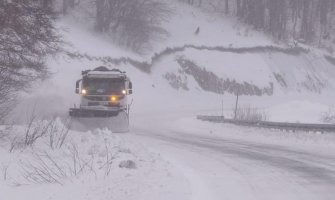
104,94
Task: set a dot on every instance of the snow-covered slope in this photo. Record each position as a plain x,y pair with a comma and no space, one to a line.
282,72
215,29
248,56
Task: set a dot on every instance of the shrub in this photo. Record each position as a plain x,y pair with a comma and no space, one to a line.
248,113
328,116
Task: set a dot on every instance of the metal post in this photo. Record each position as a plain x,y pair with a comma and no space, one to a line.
222,109
236,104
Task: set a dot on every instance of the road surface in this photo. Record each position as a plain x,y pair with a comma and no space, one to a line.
220,166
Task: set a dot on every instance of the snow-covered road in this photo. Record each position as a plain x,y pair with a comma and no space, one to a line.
221,162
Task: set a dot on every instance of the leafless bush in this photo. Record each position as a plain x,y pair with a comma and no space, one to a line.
177,81
4,133
329,116
15,143
7,101
48,167
209,81
79,165
248,113
107,165
45,168
35,130
58,133
4,171
54,130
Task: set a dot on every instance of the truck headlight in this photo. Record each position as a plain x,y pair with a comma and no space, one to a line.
113,98
83,91
124,92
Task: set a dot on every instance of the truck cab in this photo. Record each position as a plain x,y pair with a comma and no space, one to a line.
104,92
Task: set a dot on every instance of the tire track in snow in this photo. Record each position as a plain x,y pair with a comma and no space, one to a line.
303,171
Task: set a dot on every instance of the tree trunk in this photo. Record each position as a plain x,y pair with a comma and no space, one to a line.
305,24
65,5
47,4
71,3
227,7
200,3
238,8
99,24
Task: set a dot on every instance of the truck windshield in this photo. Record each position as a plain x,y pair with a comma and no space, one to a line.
101,86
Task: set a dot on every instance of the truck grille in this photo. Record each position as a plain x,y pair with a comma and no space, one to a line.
107,104
100,98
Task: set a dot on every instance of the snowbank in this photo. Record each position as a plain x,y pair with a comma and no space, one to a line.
88,165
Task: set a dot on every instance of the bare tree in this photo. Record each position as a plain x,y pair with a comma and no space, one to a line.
27,36
226,6
135,23
310,21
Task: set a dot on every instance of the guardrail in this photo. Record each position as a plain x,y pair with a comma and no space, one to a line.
272,125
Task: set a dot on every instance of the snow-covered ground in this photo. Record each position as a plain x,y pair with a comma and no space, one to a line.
87,165
168,153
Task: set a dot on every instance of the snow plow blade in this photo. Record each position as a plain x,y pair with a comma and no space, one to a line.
89,120
86,113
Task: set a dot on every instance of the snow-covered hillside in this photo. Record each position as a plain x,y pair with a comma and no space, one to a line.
232,51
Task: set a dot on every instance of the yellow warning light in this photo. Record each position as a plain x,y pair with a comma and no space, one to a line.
83,91
113,98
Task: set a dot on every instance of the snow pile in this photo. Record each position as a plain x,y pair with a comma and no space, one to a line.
64,164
